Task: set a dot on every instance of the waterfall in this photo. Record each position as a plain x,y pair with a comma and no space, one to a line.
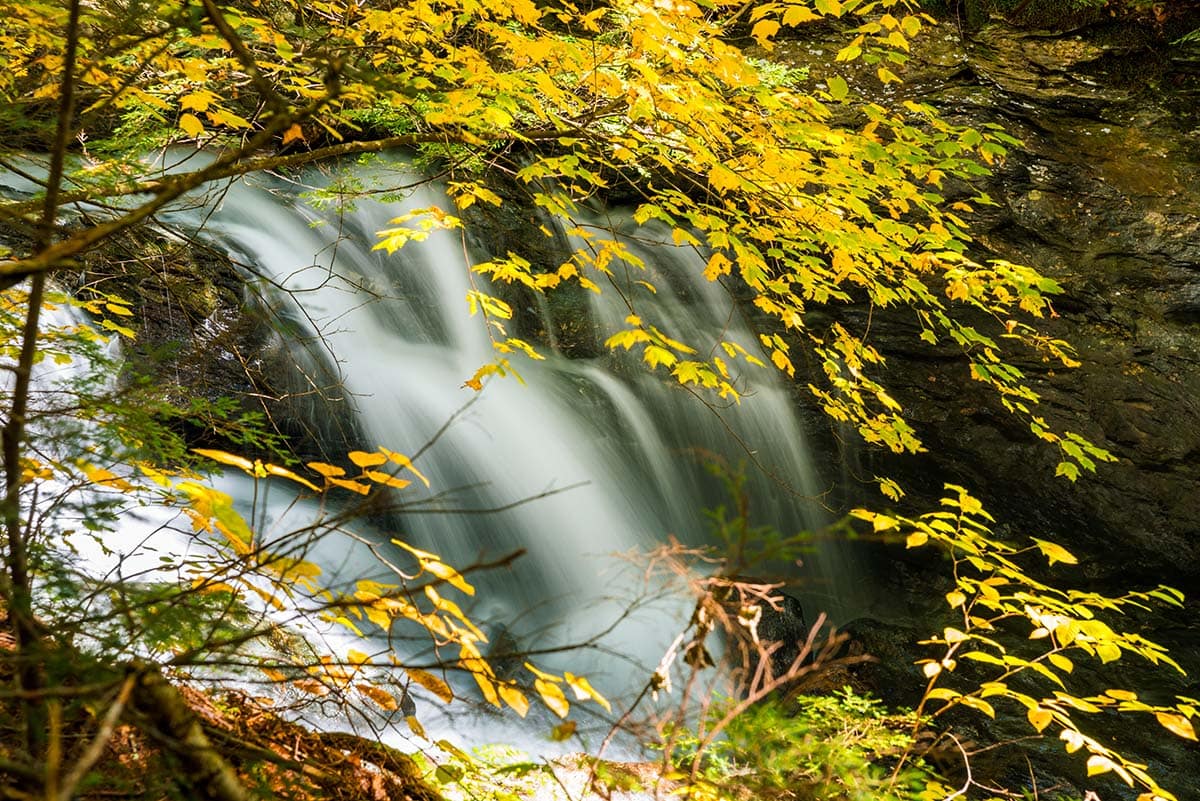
581,460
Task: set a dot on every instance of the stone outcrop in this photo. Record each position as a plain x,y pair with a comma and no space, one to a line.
1104,196
213,346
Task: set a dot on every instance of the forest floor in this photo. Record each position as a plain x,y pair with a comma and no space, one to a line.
148,737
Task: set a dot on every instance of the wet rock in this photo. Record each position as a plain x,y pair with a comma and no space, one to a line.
1043,68
562,319
784,629
1104,196
891,674
213,347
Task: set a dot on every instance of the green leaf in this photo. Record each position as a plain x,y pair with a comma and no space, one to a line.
838,88
1068,469
655,355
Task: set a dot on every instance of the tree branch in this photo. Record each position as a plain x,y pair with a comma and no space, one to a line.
96,747
179,730
19,592
264,87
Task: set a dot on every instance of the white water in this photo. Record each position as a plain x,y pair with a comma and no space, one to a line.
606,457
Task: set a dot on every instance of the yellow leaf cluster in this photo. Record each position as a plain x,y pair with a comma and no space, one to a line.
992,589
750,169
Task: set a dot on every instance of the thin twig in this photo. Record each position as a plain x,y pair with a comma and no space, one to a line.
967,766
96,746
249,63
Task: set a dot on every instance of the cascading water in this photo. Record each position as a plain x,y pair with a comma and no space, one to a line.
578,462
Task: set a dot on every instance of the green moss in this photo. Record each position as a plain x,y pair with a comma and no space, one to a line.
840,747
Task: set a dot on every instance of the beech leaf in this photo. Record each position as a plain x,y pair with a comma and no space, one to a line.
364,459
1055,552
763,30
514,698
838,88
432,683
1176,724
552,695
1039,717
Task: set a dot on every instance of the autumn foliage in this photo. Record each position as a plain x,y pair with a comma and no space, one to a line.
800,192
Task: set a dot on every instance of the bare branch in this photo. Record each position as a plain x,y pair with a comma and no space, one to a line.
96,747
249,63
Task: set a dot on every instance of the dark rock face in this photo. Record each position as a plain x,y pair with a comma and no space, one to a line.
192,336
1104,196
786,629
562,319
201,336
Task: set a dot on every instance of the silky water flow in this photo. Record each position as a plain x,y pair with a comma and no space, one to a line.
579,461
